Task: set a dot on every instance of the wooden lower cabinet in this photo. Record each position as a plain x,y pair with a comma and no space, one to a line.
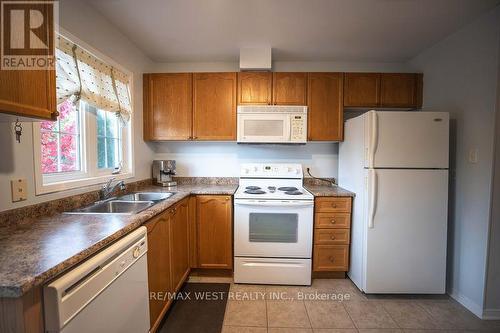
179,240
159,277
332,231
214,230
168,259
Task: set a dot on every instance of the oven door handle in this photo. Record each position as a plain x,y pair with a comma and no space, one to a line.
275,203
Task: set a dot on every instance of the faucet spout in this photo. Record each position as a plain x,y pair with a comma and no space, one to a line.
107,189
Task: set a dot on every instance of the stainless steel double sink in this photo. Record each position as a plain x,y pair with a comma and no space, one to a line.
127,204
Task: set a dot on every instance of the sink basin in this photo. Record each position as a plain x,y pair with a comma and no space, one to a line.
115,207
146,196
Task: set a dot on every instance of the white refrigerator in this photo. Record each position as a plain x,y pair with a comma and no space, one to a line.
397,165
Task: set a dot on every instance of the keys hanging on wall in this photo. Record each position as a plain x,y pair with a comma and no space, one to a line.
19,131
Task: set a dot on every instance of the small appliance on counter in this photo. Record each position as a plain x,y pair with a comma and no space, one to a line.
163,170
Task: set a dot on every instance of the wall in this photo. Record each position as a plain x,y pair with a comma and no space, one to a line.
460,76
17,159
224,158
492,301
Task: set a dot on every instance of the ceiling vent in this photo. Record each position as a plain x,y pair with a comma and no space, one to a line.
255,59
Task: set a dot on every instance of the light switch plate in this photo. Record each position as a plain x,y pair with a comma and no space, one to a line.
473,155
19,190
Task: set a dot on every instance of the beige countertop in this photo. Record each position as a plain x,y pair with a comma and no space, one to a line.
34,252
328,191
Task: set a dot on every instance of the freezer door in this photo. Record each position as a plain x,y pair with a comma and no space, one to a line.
406,231
406,139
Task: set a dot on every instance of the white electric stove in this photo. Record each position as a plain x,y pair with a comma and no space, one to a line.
273,225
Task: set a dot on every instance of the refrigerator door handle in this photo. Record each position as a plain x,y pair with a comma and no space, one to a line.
374,137
373,198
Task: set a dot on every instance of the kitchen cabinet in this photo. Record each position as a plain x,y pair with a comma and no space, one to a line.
179,240
159,265
30,94
390,90
401,90
214,224
332,223
168,106
361,89
214,106
325,102
255,88
289,88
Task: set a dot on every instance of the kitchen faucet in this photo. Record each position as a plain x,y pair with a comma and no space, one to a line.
107,189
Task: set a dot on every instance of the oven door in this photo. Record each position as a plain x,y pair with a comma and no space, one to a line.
273,228
261,127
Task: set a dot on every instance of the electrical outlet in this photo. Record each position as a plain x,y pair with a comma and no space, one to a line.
19,190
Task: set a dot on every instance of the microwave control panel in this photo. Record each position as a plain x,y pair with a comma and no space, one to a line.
298,128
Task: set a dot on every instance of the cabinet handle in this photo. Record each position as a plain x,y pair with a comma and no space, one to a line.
332,221
331,259
332,238
227,199
334,205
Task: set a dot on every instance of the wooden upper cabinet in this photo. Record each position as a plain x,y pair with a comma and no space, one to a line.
214,227
168,104
325,114
29,94
401,90
214,113
255,88
289,88
361,89
179,241
391,90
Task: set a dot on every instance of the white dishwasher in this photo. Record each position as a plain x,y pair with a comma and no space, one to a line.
106,293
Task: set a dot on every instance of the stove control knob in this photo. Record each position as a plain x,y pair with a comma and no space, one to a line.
246,170
297,171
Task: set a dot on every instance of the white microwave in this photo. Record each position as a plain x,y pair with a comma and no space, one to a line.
272,124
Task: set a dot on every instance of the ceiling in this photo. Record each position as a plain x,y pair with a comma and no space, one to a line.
297,30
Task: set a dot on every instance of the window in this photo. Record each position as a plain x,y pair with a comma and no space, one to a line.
60,141
91,139
109,142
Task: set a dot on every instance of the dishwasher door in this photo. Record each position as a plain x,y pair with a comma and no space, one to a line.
106,293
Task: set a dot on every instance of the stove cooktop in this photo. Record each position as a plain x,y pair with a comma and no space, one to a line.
266,191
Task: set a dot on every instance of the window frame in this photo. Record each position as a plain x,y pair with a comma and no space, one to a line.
89,174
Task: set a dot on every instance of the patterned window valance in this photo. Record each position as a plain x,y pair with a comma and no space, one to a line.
80,74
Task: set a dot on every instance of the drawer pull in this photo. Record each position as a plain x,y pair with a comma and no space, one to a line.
332,221
331,259
334,205
332,237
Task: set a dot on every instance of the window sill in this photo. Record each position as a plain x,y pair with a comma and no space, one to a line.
42,189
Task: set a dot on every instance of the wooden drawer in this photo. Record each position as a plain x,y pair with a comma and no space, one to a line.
333,204
332,220
331,258
331,236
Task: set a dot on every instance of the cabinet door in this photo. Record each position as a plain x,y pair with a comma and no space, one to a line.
179,240
214,217
214,106
289,88
159,279
361,89
399,90
29,94
325,114
168,106
255,88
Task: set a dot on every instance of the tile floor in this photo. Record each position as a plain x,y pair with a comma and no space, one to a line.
337,306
